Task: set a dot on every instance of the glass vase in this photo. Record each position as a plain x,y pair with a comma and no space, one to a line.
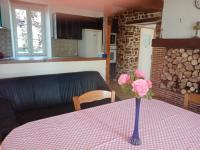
135,139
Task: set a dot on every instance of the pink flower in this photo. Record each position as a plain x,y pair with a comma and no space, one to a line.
140,87
123,79
149,83
139,74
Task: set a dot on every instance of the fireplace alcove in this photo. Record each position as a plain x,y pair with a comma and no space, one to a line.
161,48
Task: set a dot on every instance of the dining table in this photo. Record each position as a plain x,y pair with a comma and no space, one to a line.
162,126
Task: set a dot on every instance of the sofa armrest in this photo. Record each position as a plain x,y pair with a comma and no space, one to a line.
7,117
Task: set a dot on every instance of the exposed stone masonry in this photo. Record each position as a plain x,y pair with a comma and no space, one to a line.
128,48
181,72
5,43
129,16
128,39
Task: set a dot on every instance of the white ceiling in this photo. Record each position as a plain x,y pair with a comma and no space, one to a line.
99,5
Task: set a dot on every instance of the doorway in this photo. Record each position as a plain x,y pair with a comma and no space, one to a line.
145,52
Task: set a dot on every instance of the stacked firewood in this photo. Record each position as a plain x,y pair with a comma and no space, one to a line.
181,71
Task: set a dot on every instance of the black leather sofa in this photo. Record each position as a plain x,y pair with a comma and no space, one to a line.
31,98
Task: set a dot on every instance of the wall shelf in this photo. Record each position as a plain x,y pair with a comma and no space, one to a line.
193,43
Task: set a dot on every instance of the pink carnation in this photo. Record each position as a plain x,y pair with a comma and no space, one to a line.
123,79
139,74
149,83
140,87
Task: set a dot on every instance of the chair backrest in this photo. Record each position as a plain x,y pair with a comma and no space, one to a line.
194,98
92,96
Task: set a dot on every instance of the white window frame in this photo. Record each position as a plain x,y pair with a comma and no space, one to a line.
29,8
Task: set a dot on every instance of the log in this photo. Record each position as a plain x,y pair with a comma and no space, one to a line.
195,73
190,58
194,62
196,56
189,84
183,91
184,55
196,51
189,52
181,71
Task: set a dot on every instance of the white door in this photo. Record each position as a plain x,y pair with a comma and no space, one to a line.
145,51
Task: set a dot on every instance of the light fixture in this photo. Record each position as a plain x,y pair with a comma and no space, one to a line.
196,27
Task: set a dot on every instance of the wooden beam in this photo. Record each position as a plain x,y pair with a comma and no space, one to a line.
177,43
156,19
140,5
107,31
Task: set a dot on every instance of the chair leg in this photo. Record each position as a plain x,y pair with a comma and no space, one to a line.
186,101
76,103
113,96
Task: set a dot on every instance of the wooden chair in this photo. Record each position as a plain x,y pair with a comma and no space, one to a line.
92,96
194,98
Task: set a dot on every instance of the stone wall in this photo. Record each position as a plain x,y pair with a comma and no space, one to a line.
5,43
181,70
128,48
128,38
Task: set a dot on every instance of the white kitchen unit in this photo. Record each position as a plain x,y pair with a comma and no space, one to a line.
91,43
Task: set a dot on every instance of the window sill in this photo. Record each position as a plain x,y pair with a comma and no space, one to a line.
44,59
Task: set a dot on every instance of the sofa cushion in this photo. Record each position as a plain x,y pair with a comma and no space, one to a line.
46,91
7,118
75,84
35,92
18,91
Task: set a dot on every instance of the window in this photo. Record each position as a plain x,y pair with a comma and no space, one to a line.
29,30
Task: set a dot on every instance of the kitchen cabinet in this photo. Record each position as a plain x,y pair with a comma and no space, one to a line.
92,23
114,28
70,26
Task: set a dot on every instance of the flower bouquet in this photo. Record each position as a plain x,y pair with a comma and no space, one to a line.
135,85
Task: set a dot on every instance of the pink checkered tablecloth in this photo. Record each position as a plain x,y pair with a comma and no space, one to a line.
108,127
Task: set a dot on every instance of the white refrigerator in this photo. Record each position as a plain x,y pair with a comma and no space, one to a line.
91,43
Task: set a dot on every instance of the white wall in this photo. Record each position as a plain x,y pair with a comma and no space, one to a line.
179,16
52,7
41,68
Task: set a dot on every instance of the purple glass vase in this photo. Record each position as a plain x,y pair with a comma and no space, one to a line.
135,139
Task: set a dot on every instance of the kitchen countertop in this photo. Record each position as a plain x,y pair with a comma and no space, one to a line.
45,59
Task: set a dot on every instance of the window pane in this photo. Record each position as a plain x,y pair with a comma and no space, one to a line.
36,20
21,25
